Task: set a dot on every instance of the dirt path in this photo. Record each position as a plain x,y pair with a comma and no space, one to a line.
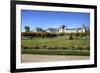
45,58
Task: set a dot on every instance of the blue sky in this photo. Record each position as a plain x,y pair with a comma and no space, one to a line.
53,19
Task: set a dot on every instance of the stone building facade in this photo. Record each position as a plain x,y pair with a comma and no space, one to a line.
63,29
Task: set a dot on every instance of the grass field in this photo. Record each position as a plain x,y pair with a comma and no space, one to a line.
55,42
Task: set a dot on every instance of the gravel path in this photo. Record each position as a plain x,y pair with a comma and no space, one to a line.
47,58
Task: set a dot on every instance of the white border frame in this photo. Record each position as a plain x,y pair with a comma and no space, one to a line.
20,65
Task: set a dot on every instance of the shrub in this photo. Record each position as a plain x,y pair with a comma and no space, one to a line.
48,47
77,48
64,48
21,46
70,37
80,48
53,47
71,47
37,47
25,47
33,47
44,46
86,48
74,47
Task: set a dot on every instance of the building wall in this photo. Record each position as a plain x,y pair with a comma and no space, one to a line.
71,30
61,30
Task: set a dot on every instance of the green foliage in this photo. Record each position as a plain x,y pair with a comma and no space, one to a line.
72,47
57,52
55,42
70,37
39,34
53,35
27,29
61,34
47,45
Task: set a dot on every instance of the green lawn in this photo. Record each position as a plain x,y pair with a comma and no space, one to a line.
55,42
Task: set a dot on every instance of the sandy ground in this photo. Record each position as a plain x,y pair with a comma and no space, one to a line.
47,58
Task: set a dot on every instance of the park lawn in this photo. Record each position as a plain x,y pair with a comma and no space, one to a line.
55,42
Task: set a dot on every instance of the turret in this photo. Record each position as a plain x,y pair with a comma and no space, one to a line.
83,28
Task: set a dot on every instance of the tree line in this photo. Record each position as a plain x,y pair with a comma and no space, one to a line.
31,35
53,35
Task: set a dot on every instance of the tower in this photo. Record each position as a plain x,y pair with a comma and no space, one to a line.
83,28
62,29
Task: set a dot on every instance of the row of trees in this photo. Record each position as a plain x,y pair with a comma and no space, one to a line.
38,34
52,35
30,35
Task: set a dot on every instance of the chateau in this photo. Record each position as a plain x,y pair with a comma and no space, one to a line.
63,29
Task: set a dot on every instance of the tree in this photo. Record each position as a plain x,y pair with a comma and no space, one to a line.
27,28
61,34
71,37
